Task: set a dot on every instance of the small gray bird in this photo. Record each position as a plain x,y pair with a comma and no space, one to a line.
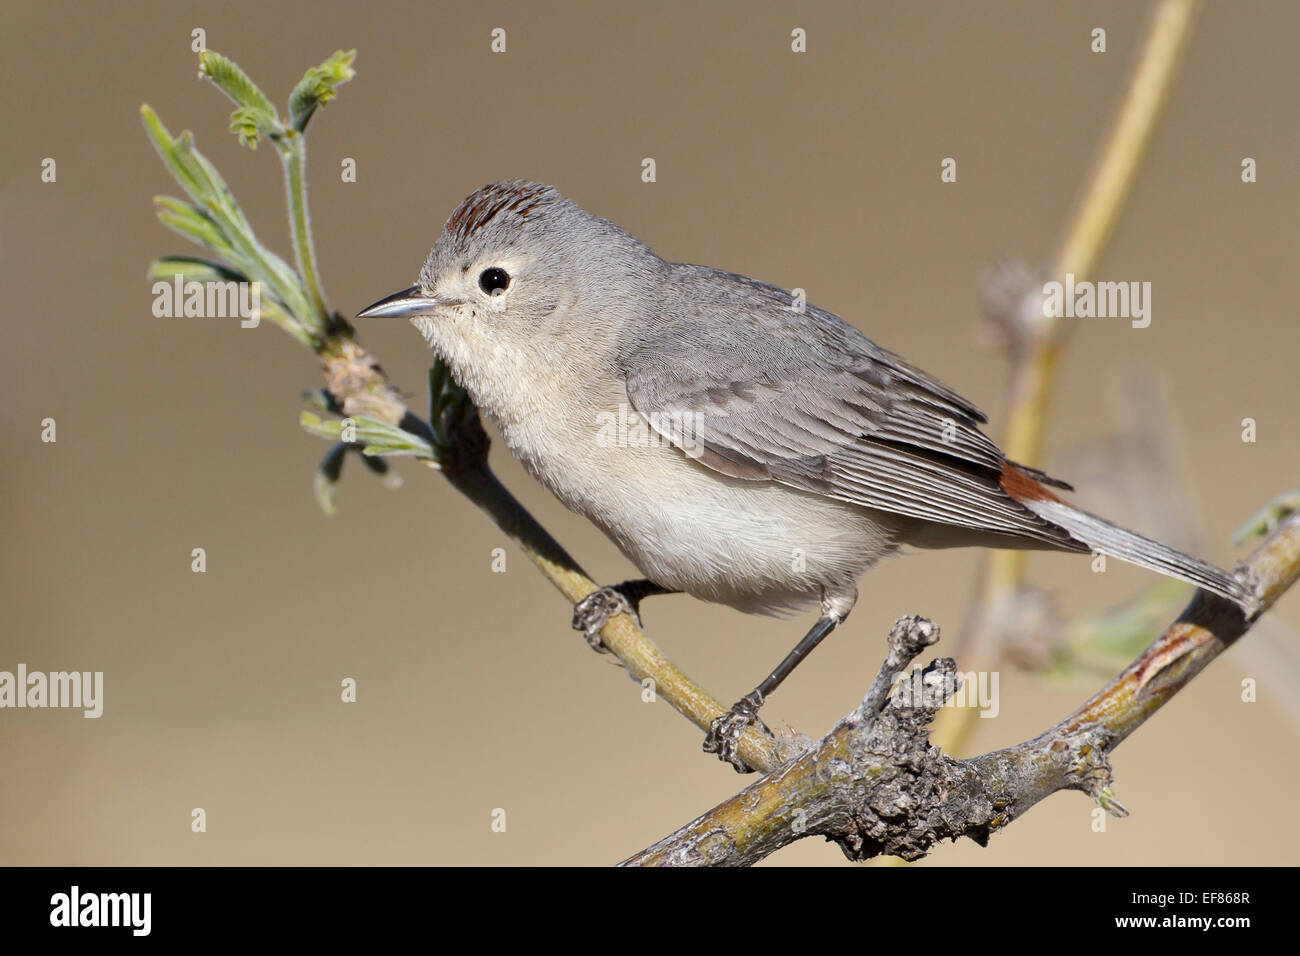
734,444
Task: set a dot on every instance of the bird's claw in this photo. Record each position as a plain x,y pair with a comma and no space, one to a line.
595,610
724,733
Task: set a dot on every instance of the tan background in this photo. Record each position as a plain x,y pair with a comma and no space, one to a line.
819,171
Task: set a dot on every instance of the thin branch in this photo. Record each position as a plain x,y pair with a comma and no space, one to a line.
875,785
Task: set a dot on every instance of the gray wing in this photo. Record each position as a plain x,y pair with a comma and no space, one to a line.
758,391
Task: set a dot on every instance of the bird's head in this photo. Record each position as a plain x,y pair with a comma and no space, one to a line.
522,276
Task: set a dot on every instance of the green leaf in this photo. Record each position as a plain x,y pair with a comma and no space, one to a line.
256,114
217,193
233,238
1111,803
265,264
319,86
378,438
200,270
249,124
167,147
198,177
192,223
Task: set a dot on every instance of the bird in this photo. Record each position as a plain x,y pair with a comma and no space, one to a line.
736,443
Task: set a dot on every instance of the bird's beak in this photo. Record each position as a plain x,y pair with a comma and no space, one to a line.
400,305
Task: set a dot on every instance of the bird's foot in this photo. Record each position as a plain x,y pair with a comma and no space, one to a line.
724,733
596,609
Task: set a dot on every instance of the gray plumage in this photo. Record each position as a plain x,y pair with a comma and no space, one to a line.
792,451
807,400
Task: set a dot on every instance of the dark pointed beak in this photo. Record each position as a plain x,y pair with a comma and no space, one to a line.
399,305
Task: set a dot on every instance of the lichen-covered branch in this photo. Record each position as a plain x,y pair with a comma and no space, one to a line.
875,785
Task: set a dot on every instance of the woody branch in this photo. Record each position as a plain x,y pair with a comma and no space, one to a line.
875,785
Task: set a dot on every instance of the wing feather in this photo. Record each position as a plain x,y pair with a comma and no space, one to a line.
805,399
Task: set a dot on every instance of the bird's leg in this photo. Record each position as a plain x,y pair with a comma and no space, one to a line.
724,734
592,612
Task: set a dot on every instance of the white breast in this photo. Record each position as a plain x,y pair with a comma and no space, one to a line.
755,545
758,546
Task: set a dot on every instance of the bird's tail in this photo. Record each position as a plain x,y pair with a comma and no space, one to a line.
1100,535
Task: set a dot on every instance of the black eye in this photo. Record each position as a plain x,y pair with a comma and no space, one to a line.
493,280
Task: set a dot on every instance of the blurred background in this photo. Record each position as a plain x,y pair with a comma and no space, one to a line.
818,170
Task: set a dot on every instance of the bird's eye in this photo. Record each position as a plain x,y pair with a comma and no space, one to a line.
493,280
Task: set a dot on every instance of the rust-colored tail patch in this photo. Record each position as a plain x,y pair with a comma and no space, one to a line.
1022,486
